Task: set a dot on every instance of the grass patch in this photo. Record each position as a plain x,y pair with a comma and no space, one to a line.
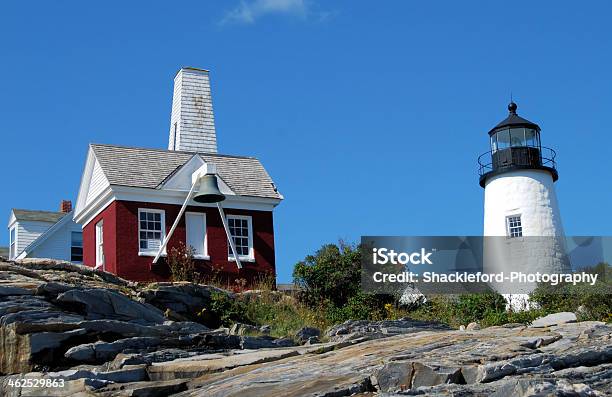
283,313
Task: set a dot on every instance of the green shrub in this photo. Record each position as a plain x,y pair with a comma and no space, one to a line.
330,282
225,310
588,302
332,275
358,307
485,309
477,307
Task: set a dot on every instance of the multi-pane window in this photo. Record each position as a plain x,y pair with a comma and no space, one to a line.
515,228
240,230
150,230
76,247
13,244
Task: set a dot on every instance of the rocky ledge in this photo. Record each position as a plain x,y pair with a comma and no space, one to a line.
103,336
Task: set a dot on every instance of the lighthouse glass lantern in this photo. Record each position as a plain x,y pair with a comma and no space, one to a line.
522,221
515,144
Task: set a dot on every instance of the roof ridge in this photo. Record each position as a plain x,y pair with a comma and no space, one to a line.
174,151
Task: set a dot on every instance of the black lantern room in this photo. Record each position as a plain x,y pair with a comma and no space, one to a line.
515,145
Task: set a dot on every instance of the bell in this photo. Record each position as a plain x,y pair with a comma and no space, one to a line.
209,190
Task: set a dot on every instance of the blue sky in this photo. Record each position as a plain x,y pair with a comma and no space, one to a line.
369,118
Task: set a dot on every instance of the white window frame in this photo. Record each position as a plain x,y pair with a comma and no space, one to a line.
100,258
74,246
13,242
152,252
251,256
510,229
205,256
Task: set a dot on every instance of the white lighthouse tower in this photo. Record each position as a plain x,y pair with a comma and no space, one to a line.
522,223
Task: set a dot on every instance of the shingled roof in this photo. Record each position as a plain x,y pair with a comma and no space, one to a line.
149,168
38,216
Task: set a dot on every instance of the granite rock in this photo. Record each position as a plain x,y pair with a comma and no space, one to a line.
472,327
106,304
243,329
100,352
355,329
554,319
305,333
104,336
183,298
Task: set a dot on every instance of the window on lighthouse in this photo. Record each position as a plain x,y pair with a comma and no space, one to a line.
503,139
531,138
517,137
514,225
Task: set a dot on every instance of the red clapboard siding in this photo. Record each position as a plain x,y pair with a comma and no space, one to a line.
121,242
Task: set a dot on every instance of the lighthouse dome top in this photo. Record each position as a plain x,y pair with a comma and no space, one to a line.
513,120
515,146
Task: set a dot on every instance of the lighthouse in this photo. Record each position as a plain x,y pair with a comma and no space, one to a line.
522,222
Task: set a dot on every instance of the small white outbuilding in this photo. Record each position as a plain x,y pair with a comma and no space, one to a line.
45,234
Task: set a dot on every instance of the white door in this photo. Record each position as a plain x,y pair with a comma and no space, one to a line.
100,262
196,233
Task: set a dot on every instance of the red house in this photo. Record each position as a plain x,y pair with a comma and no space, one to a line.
129,197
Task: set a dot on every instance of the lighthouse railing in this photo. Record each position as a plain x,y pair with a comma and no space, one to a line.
546,156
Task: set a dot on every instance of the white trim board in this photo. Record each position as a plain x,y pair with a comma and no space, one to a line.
85,181
93,182
12,219
124,193
95,208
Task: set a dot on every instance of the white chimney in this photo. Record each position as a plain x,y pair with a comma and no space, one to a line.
192,124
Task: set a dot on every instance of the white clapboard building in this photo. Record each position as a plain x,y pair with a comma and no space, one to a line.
45,234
